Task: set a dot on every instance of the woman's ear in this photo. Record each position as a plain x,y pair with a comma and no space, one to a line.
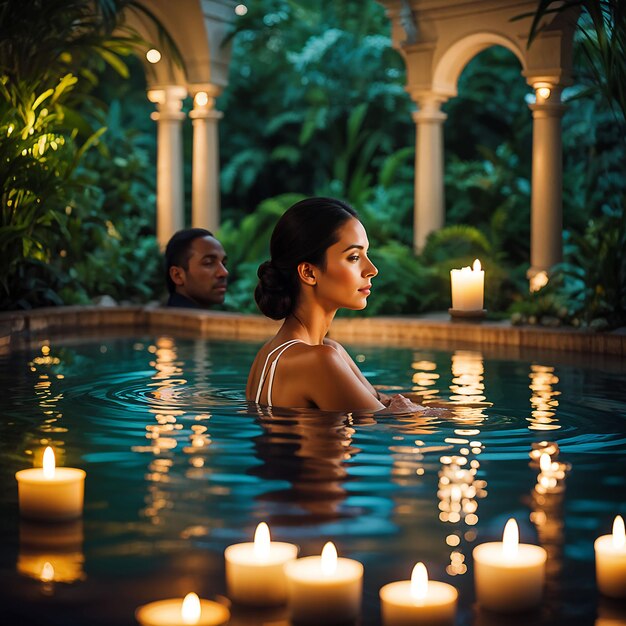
307,273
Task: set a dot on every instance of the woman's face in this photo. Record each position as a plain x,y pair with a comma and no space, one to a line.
346,280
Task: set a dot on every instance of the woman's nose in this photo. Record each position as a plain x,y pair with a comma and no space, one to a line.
371,270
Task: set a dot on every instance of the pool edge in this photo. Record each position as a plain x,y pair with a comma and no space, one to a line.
16,327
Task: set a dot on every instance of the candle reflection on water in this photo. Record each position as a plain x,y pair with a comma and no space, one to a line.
52,553
543,399
467,388
546,502
424,377
459,489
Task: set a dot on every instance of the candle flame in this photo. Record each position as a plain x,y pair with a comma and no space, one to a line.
477,266
191,609
329,559
262,542
419,583
510,539
47,572
619,535
545,462
48,463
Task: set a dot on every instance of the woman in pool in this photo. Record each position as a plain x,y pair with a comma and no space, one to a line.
318,265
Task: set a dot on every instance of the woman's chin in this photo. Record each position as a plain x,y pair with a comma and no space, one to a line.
355,305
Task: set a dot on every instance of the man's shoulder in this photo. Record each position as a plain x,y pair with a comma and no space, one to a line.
178,301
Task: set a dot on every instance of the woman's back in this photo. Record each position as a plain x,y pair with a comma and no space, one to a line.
292,373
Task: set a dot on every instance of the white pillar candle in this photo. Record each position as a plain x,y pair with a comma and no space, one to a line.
418,601
255,571
178,612
509,576
611,561
51,493
468,287
324,589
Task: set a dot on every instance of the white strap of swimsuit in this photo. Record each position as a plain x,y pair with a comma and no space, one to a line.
267,360
273,370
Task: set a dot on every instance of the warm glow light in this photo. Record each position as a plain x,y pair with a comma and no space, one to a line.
262,542
153,55
47,572
48,463
329,559
477,265
241,9
510,539
191,610
619,536
543,92
538,281
419,583
545,462
201,99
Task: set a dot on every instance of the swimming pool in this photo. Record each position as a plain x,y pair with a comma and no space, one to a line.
178,469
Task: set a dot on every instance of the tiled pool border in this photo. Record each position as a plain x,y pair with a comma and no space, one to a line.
16,327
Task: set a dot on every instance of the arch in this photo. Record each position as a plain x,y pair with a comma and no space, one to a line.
449,67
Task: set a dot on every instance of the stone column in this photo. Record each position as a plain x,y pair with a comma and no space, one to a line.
205,196
546,222
170,198
429,194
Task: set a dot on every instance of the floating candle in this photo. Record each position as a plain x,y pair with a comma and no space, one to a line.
418,601
255,571
611,561
468,286
192,611
51,493
509,576
326,589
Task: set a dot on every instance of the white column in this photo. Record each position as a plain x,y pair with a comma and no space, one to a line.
205,196
429,194
170,198
546,222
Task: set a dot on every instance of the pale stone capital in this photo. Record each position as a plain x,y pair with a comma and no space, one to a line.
169,102
429,114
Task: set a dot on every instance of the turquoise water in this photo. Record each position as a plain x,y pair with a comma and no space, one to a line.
178,468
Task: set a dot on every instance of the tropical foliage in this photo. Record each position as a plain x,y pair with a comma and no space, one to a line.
315,105
59,241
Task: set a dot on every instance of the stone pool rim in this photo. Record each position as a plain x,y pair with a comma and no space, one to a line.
17,328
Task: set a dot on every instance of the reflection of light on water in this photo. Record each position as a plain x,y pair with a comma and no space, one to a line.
166,380
51,553
459,490
546,500
424,378
468,391
543,399
48,402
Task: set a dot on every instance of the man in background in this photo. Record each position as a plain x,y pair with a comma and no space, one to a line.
195,265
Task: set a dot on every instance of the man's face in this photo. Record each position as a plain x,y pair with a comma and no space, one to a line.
204,280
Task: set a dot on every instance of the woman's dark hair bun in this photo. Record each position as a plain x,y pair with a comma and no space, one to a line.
273,294
303,233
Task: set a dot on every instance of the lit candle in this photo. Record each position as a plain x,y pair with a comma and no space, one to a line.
509,576
326,589
51,493
255,571
418,601
176,612
611,561
468,286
